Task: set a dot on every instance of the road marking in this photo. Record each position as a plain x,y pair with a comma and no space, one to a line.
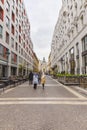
43,102
70,90
42,99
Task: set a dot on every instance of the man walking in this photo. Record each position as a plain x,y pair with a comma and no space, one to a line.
30,77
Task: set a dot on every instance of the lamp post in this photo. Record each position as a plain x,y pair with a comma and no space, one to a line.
7,54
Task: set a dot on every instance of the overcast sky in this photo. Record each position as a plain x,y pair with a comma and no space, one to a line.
43,15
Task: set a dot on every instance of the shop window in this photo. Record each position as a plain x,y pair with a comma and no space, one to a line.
72,53
72,61
84,43
1,14
1,31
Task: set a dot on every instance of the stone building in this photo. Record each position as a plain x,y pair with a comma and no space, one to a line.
43,65
69,43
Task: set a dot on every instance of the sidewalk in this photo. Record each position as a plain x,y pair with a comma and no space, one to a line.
80,90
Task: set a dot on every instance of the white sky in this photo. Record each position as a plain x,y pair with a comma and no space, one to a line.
43,15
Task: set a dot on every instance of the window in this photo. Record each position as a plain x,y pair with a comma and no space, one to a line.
17,2
19,39
16,34
81,19
1,13
2,1
19,28
13,58
72,61
77,48
7,7
19,49
12,42
16,12
7,22
16,47
1,50
7,37
13,4
13,17
72,54
84,43
24,44
12,29
16,23
1,31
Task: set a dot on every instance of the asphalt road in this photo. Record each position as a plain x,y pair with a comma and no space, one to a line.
57,107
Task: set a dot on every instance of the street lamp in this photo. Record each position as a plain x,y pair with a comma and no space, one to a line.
7,54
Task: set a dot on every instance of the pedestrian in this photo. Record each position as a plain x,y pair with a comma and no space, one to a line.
39,77
30,77
43,80
35,80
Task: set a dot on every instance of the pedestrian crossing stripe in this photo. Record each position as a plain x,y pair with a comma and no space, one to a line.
43,101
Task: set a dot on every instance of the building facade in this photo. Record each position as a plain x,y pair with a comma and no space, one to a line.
69,43
35,63
16,48
49,70
43,66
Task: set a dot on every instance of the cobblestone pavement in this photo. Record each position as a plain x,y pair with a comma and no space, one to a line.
55,108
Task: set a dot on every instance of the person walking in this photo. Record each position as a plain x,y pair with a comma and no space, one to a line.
43,80
39,77
30,77
35,80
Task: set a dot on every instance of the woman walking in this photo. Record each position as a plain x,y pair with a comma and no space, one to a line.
43,80
35,80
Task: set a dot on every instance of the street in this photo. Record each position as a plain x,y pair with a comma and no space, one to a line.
57,107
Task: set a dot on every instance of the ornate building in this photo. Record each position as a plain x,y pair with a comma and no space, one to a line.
69,43
43,65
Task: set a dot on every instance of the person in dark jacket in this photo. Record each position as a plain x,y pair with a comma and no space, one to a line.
30,77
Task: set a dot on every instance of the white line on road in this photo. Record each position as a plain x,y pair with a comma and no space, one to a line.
41,99
43,102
